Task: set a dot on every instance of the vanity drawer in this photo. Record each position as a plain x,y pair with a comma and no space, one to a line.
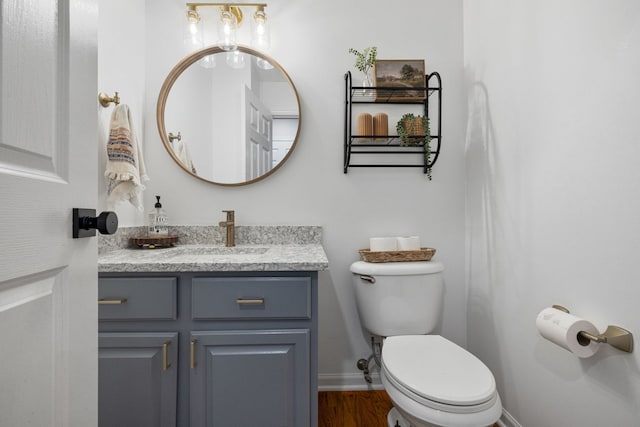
251,298
137,298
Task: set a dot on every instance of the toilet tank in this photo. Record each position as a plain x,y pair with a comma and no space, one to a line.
398,298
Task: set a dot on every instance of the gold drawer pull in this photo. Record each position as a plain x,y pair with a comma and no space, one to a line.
115,301
165,356
192,351
250,301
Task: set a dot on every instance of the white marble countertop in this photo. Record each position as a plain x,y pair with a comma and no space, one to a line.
183,258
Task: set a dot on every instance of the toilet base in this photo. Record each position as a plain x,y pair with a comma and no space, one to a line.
394,419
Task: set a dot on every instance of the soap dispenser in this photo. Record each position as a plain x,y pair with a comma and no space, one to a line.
158,220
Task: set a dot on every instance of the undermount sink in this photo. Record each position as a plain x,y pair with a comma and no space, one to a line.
216,250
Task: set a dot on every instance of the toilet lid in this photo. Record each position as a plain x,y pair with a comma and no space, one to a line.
437,369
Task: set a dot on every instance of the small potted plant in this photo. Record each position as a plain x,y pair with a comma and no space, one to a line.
415,130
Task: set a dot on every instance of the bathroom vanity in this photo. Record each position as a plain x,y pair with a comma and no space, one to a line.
206,335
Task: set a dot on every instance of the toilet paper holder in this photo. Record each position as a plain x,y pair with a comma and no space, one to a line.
615,336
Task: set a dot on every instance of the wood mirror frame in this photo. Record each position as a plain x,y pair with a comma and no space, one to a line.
173,77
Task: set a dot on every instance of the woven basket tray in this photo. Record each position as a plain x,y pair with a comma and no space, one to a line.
424,254
152,242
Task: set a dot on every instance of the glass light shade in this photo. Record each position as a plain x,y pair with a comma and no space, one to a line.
260,37
208,61
193,37
264,64
227,30
235,59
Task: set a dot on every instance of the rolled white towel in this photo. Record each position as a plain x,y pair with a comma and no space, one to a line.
411,243
383,244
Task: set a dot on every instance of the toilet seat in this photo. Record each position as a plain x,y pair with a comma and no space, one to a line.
438,374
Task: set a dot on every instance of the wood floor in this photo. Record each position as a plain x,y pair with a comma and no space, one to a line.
354,408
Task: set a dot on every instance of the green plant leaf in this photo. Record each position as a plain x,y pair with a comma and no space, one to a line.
404,135
365,59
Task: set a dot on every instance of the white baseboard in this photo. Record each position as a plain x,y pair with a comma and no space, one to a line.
346,382
506,420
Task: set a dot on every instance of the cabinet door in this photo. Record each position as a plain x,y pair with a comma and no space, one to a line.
137,379
250,378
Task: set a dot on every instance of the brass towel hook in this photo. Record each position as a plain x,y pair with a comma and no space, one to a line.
615,336
106,100
173,137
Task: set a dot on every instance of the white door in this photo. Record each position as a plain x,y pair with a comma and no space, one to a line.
258,136
48,165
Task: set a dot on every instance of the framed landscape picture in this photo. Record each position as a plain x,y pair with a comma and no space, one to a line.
405,79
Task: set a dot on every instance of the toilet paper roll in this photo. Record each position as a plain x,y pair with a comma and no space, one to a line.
411,243
562,329
382,244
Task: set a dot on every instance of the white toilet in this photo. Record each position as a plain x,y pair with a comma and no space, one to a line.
431,381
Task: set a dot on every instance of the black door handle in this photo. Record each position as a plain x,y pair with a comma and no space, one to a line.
85,222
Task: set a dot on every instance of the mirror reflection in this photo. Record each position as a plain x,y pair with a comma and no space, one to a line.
233,117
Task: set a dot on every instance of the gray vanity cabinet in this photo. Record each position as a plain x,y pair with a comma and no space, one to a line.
275,362
137,363
243,348
254,378
138,376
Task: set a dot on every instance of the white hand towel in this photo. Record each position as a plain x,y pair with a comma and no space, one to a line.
125,165
181,150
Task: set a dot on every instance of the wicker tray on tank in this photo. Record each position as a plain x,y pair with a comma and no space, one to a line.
424,254
152,242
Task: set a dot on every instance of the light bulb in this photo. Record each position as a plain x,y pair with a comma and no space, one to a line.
227,30
193,38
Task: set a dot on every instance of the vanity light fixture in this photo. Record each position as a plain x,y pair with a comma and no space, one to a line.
260,30
231,18
227,29
193,36
260,38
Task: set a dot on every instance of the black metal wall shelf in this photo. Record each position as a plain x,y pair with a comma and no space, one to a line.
389,145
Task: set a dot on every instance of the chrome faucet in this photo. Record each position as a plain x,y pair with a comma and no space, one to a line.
231,228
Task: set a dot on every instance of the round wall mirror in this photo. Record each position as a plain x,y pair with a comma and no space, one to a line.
229,118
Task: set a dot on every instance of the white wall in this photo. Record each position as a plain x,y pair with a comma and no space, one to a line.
310,39
121,68
552,200
550,151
